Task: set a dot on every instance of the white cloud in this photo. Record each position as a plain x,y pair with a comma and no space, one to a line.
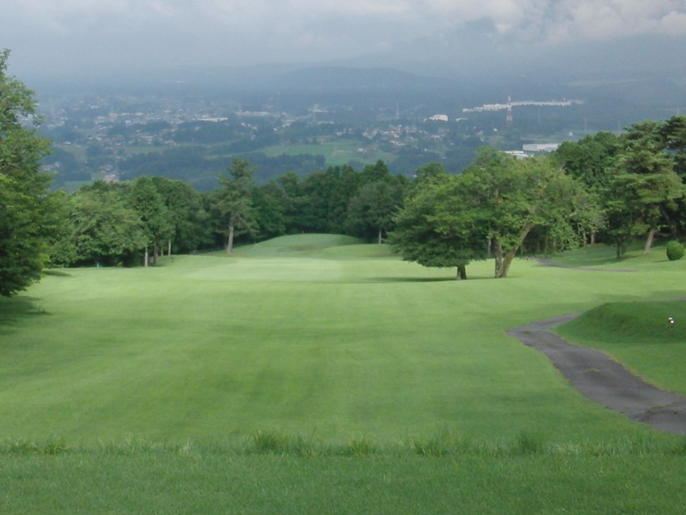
674,24
570,20
238,31
556,20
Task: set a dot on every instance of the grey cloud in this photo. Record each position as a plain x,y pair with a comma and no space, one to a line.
55,34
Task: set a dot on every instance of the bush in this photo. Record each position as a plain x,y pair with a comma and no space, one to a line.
675,251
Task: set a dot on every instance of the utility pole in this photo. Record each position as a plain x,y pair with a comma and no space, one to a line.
509,118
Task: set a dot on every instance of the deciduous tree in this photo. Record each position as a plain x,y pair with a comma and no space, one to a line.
27,211
155,217
104,228
432,230
495,203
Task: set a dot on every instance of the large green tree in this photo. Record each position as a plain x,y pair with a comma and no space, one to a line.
271,207
646,178
158,225
591,159
673,135
514,196
104,228
27,209
429,231
185,214
371,211
233,201
494,205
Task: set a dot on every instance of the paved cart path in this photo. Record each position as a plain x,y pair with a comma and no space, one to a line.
603,380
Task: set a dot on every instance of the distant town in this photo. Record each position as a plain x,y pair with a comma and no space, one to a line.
119,137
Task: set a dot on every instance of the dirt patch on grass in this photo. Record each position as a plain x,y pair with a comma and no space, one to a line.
603,380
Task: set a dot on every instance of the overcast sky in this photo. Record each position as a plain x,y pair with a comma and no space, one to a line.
90,34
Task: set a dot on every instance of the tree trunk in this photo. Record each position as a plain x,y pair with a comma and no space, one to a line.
498,254
145,259
506,262
650,239
461,272
229,245
502,263
380,240
169,249
155,250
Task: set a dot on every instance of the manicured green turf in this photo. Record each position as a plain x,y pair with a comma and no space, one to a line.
298,341
342,343
215,483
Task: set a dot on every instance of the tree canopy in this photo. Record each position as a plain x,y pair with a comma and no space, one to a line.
234,200
29,214
490,208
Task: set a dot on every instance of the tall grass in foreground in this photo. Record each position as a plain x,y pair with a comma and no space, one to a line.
439,445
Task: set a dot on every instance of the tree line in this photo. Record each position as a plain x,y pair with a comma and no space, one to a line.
109,223
603,188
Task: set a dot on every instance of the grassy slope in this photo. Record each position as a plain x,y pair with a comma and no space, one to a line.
639,335
636,333
339,341
211,347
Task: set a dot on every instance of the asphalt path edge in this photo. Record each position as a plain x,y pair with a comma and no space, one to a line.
604,380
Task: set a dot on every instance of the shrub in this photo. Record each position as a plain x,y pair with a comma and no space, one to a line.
675,251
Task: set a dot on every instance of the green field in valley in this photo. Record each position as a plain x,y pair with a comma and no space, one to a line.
333,378
337,152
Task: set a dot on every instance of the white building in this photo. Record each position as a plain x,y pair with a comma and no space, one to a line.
536,148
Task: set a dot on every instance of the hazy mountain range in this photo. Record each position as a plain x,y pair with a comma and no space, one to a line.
470,65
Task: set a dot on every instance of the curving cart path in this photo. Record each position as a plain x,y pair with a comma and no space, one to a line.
603,380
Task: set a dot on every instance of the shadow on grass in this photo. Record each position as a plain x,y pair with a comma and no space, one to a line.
56,273
14,309
666,260
419,279
587,266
